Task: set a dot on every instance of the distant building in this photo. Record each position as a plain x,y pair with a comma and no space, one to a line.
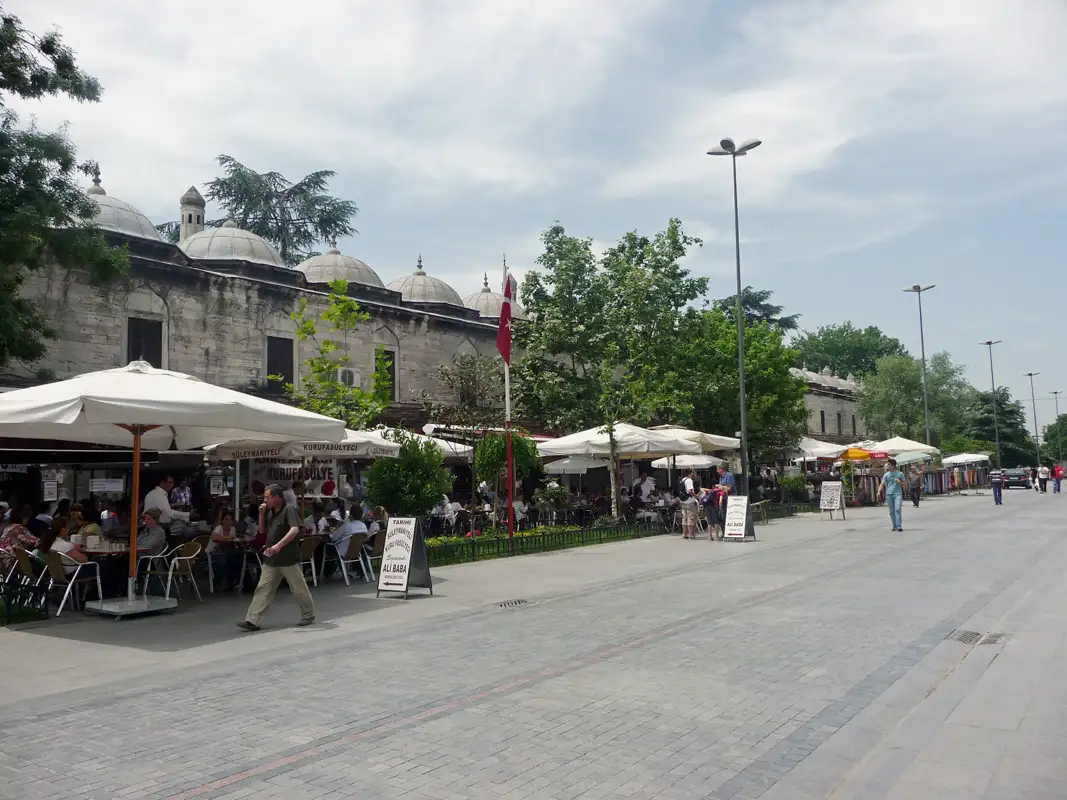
831,403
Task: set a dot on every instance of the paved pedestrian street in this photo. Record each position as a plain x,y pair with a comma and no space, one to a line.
827,660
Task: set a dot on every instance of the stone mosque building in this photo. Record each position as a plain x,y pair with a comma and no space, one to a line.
217,306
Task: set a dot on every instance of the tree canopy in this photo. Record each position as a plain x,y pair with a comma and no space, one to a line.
476,384
1016,441
757,307
1056,437
845,349
294,217
411,484
45,216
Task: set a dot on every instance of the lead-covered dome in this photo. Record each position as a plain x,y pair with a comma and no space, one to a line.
118,217
487,303
230,243
418,287
333,265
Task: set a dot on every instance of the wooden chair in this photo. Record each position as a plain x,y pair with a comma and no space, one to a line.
57,563
309,545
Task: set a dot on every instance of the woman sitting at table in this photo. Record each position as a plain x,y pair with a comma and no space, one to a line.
152,540
17,534
54,540
89,524
225,561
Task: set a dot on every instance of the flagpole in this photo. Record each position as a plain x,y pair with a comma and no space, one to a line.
511,462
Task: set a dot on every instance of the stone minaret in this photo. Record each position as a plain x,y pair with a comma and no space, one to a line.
192,216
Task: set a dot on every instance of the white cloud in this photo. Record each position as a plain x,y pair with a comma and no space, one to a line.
440,94
815,80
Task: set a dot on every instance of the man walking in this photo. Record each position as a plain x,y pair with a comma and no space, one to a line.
1042,478
688,494
1057,478
915,484
996,482
892,487
280,523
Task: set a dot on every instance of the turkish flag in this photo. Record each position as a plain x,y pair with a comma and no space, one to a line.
503,331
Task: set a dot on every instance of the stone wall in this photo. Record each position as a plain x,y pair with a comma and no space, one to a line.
215,326
826,405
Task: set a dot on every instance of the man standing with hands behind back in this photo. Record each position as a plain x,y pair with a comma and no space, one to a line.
281,524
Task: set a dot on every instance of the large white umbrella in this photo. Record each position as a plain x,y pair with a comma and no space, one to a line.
574,465
356,444
630,442
153,408
709,442
813,448
687,462
964,458
898,444
450,449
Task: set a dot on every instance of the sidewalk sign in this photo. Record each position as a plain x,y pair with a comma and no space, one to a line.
404,564
737,523
832,498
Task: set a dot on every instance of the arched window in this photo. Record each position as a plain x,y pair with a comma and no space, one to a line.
197,219
190,220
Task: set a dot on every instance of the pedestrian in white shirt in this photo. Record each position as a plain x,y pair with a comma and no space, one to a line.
159,499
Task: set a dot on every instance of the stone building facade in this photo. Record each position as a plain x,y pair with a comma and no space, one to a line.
833,415
218,306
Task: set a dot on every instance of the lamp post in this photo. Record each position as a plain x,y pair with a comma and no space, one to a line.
1059,428
728,148
993,381
918,291
1033,402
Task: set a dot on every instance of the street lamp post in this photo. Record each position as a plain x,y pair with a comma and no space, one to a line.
728,148
918,291
1059,428
993,381
1033,402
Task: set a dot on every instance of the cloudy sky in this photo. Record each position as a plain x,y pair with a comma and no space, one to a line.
904,141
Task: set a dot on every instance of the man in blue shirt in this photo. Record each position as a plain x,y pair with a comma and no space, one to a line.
892,487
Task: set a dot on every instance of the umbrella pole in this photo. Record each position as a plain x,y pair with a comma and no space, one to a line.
135,493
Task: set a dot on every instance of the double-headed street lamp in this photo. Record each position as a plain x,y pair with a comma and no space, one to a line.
728,148
918,290
996,425
1033,402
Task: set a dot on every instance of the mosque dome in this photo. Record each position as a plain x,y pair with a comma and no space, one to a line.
333,265
230,243
418,287
118,217
487,303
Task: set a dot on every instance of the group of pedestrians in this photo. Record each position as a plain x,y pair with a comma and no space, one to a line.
1039,478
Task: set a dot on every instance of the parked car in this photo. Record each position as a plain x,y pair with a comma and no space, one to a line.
1017,479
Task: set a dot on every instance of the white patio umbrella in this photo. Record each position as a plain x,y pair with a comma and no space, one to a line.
450,449
630,441
813,448
964,458
709,442
356,444
898,444
688,462
153,408
574,465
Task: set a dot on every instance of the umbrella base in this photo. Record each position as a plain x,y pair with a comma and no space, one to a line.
125,607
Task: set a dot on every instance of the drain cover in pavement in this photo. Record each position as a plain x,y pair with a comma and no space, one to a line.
967,637
513,603
995,638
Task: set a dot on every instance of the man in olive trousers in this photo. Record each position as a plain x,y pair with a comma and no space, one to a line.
282,526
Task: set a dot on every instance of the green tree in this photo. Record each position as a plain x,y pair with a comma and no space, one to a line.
757,307
45,217
291,216
476,384
414,482
1016,441
1056,437
321,387
777,417
491,456
891,398
950,396
604,335
845,349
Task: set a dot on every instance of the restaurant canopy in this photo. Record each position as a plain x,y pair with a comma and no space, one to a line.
155,408
898,444
912,457
450,449
574,465
356,444
630,441
813,448
964,458
687,462
709,442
